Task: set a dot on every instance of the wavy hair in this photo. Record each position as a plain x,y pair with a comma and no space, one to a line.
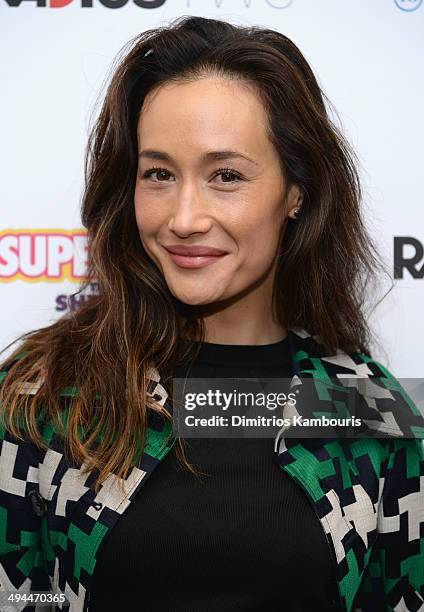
107,347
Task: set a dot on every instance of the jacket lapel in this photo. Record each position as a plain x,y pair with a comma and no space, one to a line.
342,477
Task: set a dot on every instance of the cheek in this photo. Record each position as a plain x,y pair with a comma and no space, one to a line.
147,216
259,230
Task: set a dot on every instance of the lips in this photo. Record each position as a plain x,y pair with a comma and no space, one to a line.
194,251
194,256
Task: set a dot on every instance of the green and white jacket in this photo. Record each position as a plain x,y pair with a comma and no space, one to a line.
368,493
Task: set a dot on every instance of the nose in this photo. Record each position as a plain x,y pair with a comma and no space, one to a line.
190,213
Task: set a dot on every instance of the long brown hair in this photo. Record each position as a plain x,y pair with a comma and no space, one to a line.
106,348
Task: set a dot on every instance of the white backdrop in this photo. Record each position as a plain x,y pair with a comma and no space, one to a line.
366,54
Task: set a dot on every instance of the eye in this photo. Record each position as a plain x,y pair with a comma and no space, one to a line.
228,173
160,172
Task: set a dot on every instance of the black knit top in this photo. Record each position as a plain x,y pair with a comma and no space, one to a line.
245,538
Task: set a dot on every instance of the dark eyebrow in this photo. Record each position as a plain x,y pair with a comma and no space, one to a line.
208,156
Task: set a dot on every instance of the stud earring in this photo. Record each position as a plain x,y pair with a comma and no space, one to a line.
296,211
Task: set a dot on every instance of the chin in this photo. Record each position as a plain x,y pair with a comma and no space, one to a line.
193,296
194,300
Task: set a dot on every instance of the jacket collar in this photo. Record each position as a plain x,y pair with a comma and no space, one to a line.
388,409
384,406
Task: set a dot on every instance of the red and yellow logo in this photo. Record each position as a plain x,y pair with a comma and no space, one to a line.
43,255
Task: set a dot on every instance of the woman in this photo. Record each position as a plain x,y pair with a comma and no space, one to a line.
222,209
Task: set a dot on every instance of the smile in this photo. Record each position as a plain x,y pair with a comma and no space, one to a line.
195,256
196,261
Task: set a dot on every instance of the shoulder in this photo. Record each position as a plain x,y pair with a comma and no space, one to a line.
388,406
22,414
309,352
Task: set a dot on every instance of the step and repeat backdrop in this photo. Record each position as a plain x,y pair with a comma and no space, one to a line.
56,57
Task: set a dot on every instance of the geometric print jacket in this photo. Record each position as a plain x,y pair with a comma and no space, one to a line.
367,492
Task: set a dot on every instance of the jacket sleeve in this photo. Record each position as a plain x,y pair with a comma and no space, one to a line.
393,579
22,563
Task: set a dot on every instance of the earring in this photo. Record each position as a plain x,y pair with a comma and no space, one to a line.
296,211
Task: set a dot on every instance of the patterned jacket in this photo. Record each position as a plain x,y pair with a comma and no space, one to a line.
368,493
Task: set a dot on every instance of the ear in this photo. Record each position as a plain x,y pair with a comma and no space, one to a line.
295,200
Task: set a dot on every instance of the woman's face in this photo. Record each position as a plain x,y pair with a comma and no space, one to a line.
209,177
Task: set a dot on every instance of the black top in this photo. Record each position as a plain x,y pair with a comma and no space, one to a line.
244,539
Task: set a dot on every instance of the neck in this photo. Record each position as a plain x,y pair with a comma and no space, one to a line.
244,319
